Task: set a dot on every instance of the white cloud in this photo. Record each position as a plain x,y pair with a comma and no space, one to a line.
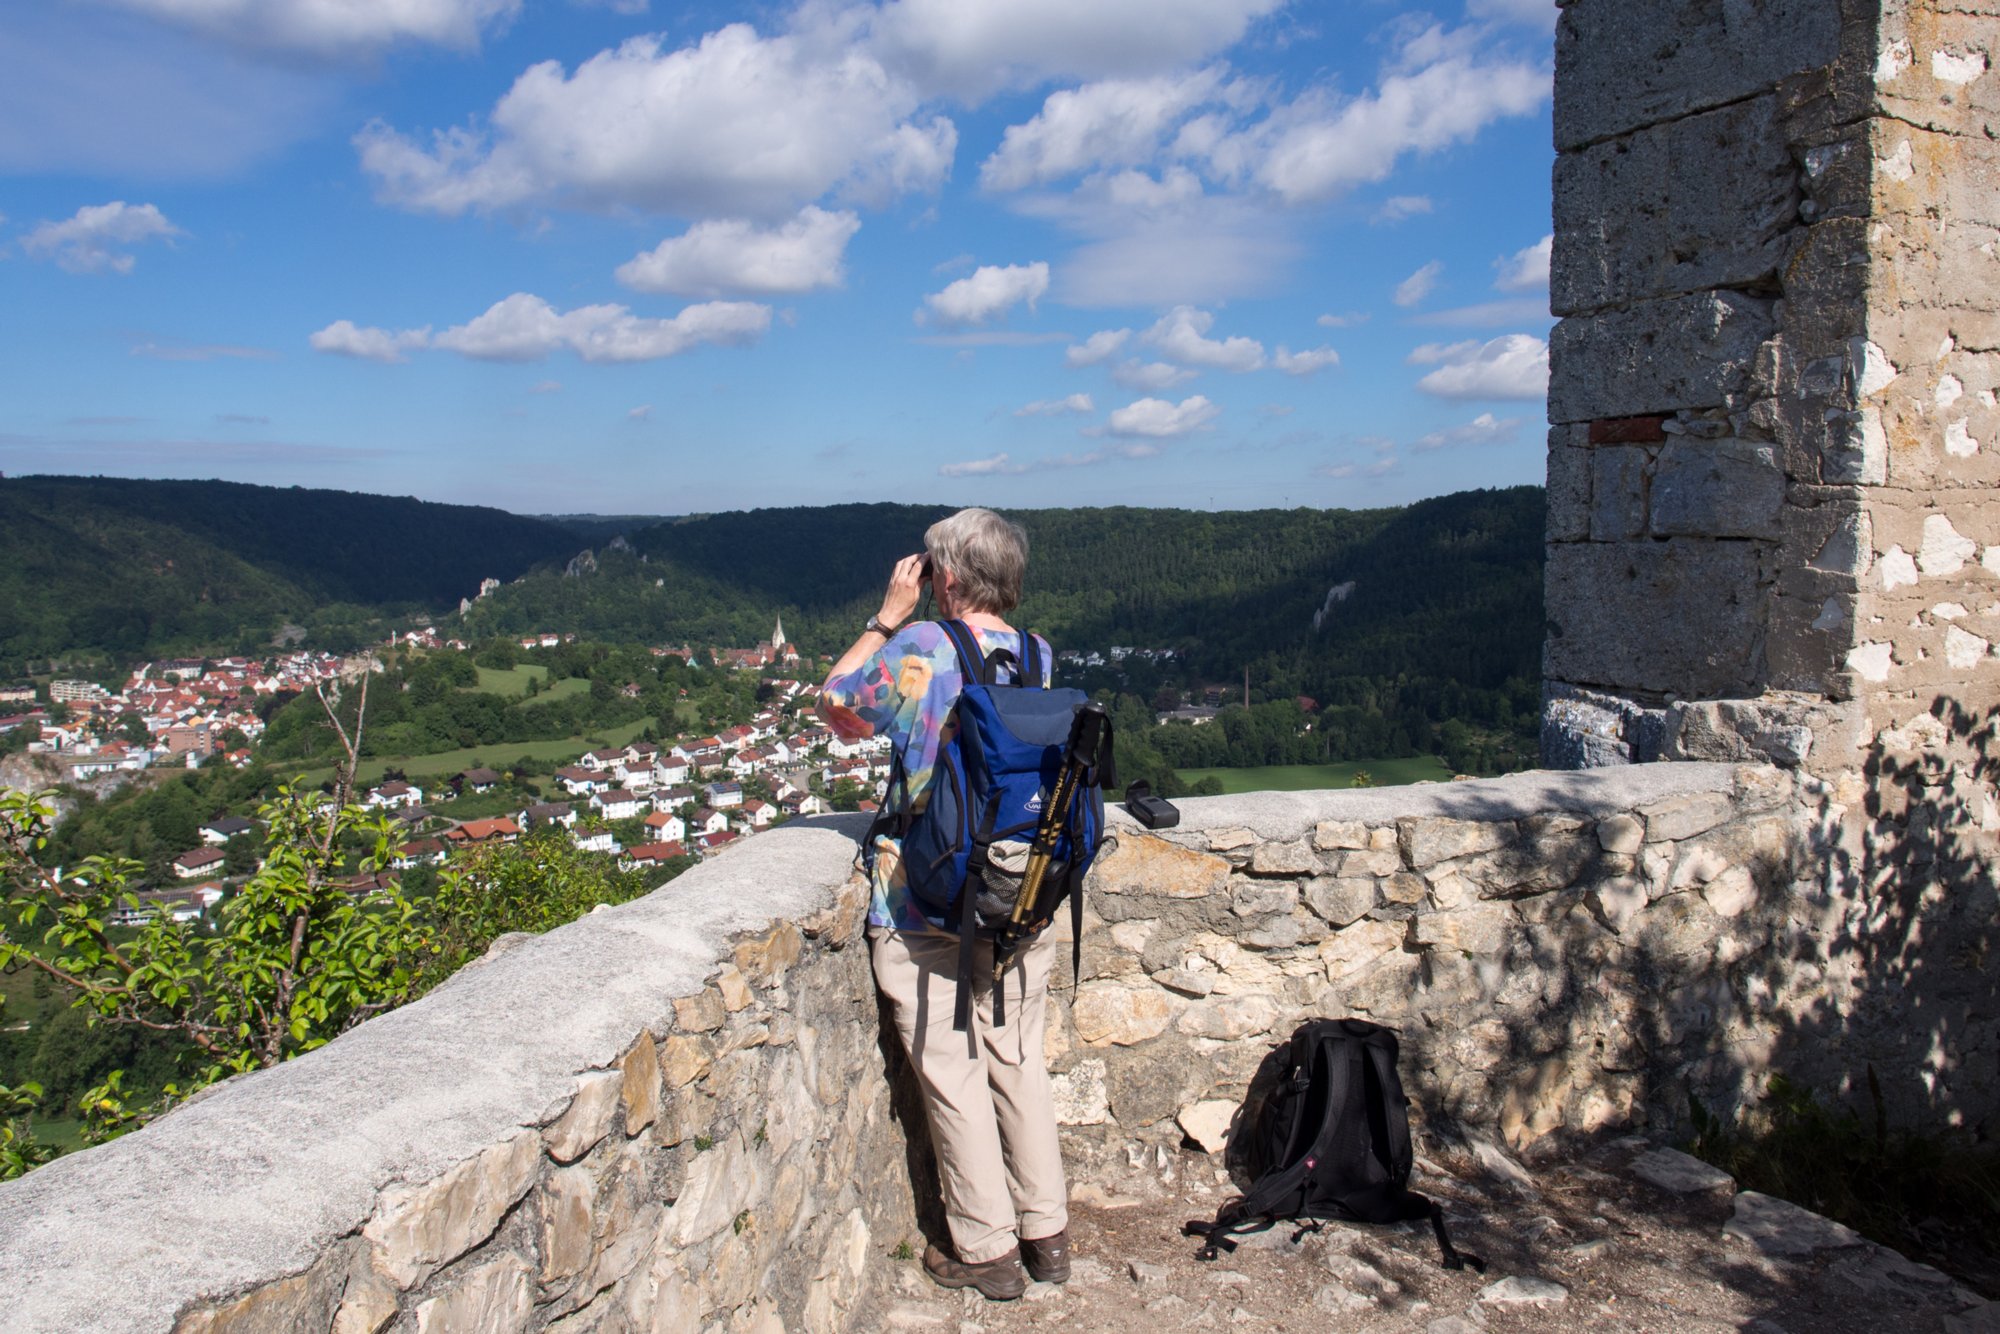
1525,270
522,327
735,126
1158,419
968,49
987,467
644,412
1149,376
1482,429
95,238
334,26
344,338
1100,346
1307,362
526,328
729,256
1347,321
989,292
1056,407
1181,335
1116,123
1397,208
1419,285
1511,366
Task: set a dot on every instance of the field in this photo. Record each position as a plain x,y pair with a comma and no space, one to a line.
498,756
1304,777
513,683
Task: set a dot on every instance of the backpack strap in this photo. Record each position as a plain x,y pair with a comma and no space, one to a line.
972,663
1031,660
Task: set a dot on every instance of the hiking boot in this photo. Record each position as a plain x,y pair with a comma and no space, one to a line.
1047,1258
998,1280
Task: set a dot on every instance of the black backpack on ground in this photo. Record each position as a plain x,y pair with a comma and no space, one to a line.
1325,1133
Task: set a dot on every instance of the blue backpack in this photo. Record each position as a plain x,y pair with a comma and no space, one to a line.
963,853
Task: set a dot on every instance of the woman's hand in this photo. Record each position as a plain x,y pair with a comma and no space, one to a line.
906,586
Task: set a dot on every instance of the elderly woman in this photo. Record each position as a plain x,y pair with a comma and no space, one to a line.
986,1092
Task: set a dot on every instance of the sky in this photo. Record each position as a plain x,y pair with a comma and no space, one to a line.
612,256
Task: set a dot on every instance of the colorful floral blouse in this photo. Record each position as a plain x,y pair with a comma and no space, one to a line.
905,691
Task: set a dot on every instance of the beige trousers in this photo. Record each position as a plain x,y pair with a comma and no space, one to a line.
986,1092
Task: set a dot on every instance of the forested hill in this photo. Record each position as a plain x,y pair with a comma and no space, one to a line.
127,567
1449,587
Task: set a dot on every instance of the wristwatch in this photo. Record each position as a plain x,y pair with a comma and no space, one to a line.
875,624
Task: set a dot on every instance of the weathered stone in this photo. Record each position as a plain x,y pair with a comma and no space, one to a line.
1253,898
563,1209
1618,901
1429,840
700,1013
578,1130
763,960
733,988
1370,862
1622,834
640,1091
1228,1017
1483,930
1655,356
1520,1290
418,1229
685,1058
1732,892
1080,1095
1618,478
1274,933
302,1301
1229,840
1294,858
1149,1084
1340,901
837,1283
1331,835
495,1297
1142,864
1351,949
1781,1228
1108,1014
720,1184
1717,488
366,1307
1709,591
1207,1123
1403,888
1681,1173
1682,817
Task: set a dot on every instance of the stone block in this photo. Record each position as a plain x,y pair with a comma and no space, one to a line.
1780,1228
1149,1085
495,1298
562,1209
1080,1095
641,1089
1142,864
1352,949
1711,592
1618,479
1717,488
418,1229
588,1120
1371,861
1687,815
700,1013
685,1058
1289,858
1568,488
1428,840
302,1301
1484,930
1107,1014
1207,1123
720,1184
1622,834
1709,201
763,960
1622,64
1340,901
1335,835
1402,888
1253,898
1695,351
1672,1170
1228,1017
731,985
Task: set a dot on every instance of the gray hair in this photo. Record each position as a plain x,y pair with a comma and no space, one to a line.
986,554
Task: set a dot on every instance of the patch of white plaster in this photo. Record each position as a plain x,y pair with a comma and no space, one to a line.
1830,616
1945,550
1958,441
1956,68
1895,58
1898,166
1897,569
1989,398
1870,662
1945,348
1949,611
1963,649
1850,547
1870,367
1991,560
1950,388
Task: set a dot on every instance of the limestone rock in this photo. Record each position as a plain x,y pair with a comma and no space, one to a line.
1428,840
302,1301
1351,949
366,1307
1254,898
1618,901
1404,888
1622,834
494,1299
588,1119
1284,859
763,960
1519,1290
1229,840
1080,1095
1229,1017
1731,892
685,1058
700,1013
1143,864
1482,930
1686,815
720,1184
837,1286
418,1229
1340,901
563,1210
1684,1174
641,1088
1106,1013
1369,862
1207,1123
733,988
1330,835
1781,1228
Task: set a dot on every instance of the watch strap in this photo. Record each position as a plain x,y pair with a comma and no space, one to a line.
875,624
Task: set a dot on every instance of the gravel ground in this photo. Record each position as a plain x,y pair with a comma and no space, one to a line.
1585,1244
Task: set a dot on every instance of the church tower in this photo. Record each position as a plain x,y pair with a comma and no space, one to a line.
778,636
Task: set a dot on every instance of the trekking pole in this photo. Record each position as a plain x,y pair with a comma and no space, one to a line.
1086,738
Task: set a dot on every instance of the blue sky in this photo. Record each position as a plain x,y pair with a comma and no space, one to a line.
600,255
